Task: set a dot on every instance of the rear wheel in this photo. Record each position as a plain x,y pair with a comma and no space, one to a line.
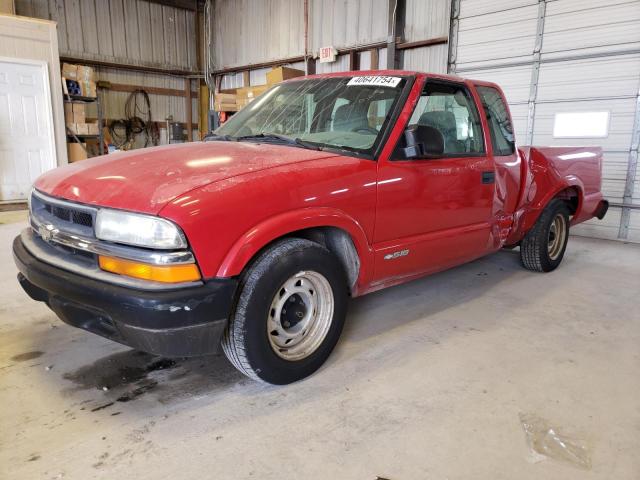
289,314
543,247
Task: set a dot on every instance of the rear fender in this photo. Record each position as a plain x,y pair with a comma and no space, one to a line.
543,184
252,241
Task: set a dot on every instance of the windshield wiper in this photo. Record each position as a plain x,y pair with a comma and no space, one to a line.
214,137
345,148
271,137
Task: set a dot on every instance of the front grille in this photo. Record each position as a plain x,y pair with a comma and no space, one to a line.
69,215
65,216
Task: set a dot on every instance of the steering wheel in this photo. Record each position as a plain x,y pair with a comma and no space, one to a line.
366,130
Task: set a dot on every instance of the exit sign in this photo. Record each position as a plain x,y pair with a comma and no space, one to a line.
327,54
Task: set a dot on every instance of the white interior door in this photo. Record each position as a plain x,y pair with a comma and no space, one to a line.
27,146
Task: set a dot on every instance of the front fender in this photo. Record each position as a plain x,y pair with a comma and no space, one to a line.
252,241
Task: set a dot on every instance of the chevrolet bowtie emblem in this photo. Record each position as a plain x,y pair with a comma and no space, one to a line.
47,231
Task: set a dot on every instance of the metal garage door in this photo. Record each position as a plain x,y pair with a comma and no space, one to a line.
555,57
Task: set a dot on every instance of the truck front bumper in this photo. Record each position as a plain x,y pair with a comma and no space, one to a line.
172,323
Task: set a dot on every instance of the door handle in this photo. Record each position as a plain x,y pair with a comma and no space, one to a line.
488,177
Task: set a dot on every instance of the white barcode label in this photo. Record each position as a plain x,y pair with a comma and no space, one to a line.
376,81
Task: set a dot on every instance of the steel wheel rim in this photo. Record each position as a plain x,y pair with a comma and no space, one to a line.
557,233
300,315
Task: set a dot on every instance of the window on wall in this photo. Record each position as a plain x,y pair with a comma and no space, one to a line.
449,109
581,125
500,126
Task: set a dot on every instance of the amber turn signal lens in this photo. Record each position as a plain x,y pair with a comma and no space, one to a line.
156,273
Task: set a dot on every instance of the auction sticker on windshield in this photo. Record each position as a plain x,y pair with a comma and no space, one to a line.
376,81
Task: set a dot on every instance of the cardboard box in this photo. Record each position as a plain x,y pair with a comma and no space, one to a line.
79,113
252,92
76,152
70,71
281,74
225,97
79,117
225,107
80,73
88,89
92,128
79,128
68,113
243,102
86,74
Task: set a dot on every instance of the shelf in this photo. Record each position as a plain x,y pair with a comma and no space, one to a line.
82,135
78,99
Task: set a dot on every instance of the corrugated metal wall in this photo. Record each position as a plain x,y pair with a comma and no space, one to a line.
129,32
342,23
267,30
262,31
133,32
337,23
426,20
254,31
559,56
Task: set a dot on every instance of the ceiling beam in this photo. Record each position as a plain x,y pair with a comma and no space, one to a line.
137,68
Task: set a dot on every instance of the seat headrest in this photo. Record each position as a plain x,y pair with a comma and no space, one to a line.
443,121
350,116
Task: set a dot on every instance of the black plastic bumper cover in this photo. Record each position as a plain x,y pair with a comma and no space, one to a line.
172,323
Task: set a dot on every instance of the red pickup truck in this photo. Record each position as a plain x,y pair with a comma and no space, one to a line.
322,188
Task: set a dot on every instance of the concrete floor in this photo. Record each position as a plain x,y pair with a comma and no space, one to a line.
429,381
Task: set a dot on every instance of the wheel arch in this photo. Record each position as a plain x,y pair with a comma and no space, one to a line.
571,192
335,230
573,196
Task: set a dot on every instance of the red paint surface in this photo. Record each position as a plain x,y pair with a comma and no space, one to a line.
231,199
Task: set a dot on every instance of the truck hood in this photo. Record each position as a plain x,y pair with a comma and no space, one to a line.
145,180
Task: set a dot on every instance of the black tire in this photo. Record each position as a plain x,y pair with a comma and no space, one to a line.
535,247
246,340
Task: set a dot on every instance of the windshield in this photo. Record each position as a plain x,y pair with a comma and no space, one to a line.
342,112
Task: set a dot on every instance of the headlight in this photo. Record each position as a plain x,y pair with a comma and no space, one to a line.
139,230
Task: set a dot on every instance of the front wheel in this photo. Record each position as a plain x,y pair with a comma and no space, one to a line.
290,313
543,247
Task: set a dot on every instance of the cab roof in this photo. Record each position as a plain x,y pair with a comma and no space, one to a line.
391,73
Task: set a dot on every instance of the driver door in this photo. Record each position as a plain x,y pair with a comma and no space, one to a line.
435,213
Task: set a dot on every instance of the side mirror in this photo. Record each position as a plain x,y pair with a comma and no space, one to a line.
423,142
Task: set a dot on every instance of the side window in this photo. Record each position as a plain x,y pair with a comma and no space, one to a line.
451,110
499,122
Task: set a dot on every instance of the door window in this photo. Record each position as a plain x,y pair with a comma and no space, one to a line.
500,126
450,109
